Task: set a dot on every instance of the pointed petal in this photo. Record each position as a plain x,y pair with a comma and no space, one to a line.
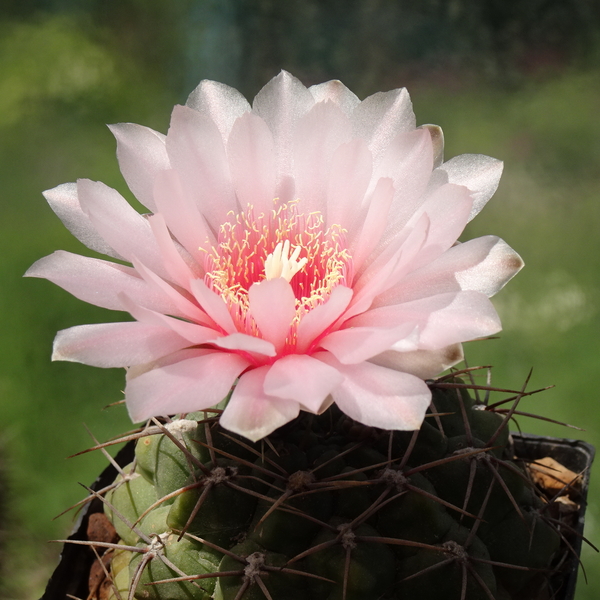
253,413
302,378
424,364
380,117
380,397
115,344
281,103
178,270
119,224
447,209
481,174
183,386
408,161
197,152
337,92
483,265
64,202
273,307
442,320
142,154
437,140
389,267
220,103
100,282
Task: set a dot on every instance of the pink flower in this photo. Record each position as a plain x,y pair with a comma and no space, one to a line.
302,251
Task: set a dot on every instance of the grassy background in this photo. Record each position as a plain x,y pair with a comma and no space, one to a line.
63,75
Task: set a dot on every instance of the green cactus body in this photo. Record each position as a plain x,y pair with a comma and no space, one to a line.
329,509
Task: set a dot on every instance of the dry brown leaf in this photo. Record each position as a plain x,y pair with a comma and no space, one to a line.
550,475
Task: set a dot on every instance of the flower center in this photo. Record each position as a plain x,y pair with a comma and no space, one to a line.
281,243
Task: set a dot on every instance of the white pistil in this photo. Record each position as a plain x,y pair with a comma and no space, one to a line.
280,264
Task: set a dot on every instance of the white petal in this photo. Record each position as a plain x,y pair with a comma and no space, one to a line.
424,364
219,102
63,200
281,103
100,282
186,385
483,265
197,152
380,117
337,92
245,343
115,344
273,307
380,397
481,174
320,132
142,155
251,155
126,231
302,378
251,412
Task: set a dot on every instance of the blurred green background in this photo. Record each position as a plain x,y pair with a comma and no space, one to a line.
516,80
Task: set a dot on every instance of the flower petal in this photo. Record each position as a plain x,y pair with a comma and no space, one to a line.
119,224
185,307
197,153
316,322
281,103
442,320
357,344
302,378
213,305
183,386
337,92
380,117
142,155
380,397
251,155
179,271
251,412
182,215
349,178
273,307
320,132
194,333
100,282
220,103
483,265
407,160
115,344
375,221
481,174
424,364
245,343
63,200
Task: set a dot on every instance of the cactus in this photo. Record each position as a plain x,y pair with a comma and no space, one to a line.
329,509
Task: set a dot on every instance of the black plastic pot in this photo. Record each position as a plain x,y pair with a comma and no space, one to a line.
70,577
577,456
